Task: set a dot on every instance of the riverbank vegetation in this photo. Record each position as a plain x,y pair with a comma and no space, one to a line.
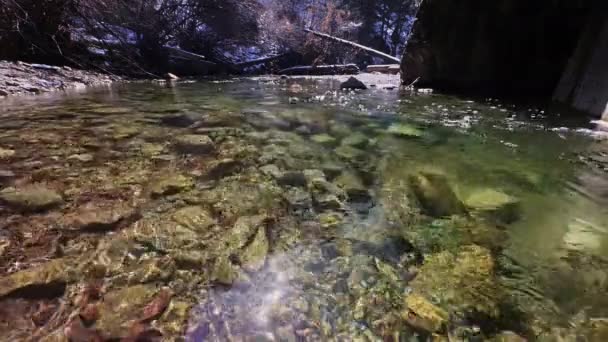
144,38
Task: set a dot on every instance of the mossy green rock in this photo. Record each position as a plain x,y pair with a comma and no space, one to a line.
405,131
323,139
350,153
194,144
171,185
6,153
242,231
224,272
253,256
120,308
435,195
31,198
49,277
424,315
353,186
358,140
195,218
495,204
461,281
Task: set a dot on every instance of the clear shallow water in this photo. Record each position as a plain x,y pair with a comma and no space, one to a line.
302,221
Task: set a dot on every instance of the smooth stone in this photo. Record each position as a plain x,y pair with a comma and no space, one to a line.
224,272
461,281
404,130
85,157
224,168
253,256
171,185
297,198
353,186
46,280
194,144
31,198
6,176
100,216
435,195
195,218
271,170
6,153
292,178
358,140
181,120
496,204
353,83
323,139
350,153
243,230
330,220
120,308
424,315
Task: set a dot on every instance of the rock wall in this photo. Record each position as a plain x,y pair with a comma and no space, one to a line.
584,84
512,47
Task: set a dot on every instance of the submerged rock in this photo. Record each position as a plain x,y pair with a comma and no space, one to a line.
495,204
435,195
6,176
358,140
297,198
180,120
195,218
350,153
323,139
31,198
171,185
353,186
6,153
462,282
120,309
424,315
404,130
194,144
224,272
253,256
45,281
353,83
100,216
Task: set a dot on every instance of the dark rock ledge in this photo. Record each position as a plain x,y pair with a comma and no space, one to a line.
24,78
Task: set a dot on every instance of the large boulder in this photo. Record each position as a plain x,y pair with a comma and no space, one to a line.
171,185
194,144
31,198
462,282
353,83
102,216
46,280
253,256
435,195
195,218
495,204
424,315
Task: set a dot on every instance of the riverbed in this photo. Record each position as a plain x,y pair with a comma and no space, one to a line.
274,209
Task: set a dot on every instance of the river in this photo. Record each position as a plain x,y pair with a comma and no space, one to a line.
275,209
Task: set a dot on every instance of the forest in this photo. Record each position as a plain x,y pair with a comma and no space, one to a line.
142,38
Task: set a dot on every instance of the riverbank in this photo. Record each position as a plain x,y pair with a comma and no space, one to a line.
19,78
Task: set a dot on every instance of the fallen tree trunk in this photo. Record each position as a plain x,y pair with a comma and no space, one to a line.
353,44
338,69
253,62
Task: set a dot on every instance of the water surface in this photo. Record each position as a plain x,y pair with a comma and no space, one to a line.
280,212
